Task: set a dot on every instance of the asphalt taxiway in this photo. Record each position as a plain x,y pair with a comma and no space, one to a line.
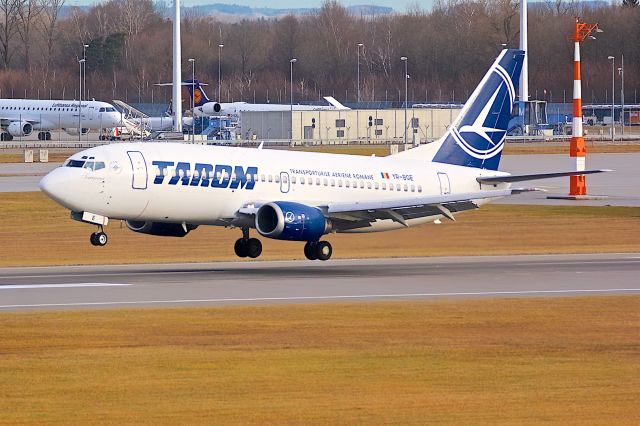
241,283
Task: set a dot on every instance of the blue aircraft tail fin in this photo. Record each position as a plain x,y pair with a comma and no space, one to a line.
196,92
476,137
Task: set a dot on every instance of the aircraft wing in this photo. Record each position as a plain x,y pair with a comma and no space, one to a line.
358,214
361,213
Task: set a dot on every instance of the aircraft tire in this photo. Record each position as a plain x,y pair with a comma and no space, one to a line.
47,136
101,239
253,247
324,250
310,250
240,247
94,239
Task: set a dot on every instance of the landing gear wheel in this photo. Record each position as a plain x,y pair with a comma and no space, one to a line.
240,247
254,247
47,136
323,250
99,239
310,250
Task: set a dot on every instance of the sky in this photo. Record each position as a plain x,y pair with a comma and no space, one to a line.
398,5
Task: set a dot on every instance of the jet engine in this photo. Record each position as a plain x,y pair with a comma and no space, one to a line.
283,220
20,128
211,108
162,229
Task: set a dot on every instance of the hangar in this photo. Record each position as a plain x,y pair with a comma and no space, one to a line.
424,123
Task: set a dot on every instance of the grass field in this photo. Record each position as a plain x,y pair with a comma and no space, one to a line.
36,231
499,361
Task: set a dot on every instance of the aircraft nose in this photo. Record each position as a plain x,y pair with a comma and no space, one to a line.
58,185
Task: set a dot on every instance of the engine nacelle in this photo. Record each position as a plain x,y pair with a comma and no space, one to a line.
20,128
284,220
211,108
161,229
74,131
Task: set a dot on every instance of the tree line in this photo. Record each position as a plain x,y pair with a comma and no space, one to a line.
448,48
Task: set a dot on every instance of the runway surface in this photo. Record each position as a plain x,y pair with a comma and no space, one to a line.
620,186
243,283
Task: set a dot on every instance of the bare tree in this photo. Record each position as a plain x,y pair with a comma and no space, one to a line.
8,27
28,12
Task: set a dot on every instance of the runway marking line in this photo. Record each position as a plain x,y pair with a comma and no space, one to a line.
68,285
335,297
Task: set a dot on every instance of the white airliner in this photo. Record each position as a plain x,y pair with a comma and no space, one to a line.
20,117
204,107
170,189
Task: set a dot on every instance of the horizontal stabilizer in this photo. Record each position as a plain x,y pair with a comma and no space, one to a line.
522,178
334,102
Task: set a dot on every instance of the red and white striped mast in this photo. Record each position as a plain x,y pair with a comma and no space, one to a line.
578,151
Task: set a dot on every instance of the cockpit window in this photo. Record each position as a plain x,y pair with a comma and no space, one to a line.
94,165
91,165
101,110
111,109
74,163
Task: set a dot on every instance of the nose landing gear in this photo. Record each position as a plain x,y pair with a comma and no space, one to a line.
247,247
99,238
318,250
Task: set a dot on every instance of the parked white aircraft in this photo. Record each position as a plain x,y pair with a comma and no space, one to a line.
169,189
20,117
204,107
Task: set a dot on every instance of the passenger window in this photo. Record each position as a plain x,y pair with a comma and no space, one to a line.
413,188
293,179
196,174
276,179
398,188
346,184
368,185
406,187
326,182
340,183
333,182
361,184
419,188
390,187
377,185
270,178
261,178
355,184
384,186
318,181
301,181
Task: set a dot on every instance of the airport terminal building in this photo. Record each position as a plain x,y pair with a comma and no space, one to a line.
340,126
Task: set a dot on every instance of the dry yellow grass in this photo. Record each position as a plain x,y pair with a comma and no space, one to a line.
36,231
500,361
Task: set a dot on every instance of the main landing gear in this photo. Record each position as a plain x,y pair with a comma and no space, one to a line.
247,247
318,250
44,136
99,238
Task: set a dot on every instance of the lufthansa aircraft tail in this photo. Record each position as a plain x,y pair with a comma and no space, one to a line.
477,135
196,92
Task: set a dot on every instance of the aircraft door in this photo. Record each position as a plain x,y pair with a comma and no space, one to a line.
91,111
284,182
138,170
445,186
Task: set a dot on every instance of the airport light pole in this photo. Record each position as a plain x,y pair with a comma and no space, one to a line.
291,62
193,102
613,96
359,46
220,46
621,72
84,71
406,91
81,63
